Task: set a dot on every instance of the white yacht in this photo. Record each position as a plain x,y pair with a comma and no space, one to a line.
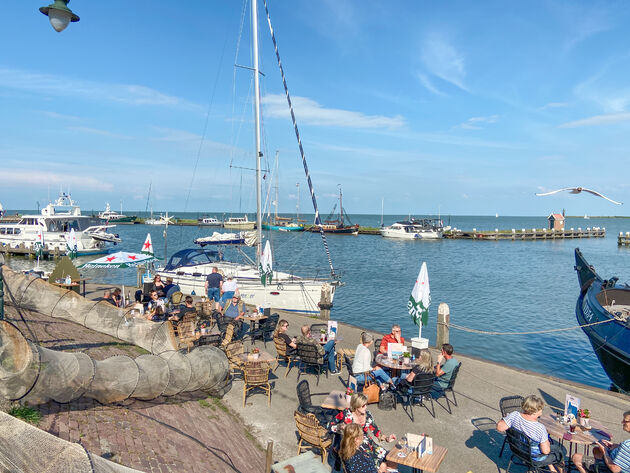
110,215
239,223
209,222
55,222
415,229
161,220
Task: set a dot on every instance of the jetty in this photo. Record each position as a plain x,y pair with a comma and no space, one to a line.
525,234
196,433
31,253
623,239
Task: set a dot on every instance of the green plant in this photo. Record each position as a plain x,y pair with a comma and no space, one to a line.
27,414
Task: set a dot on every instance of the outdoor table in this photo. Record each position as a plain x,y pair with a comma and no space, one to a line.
263,357
73,286
253,318
336,400
304,463
579,437
395,366
430,463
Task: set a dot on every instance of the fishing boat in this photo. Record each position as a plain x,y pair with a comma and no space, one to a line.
603,311
287,292
209,222
55,222
239,223
415,229
337,225
110,215
281,224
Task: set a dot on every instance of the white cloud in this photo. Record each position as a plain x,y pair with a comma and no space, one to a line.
427,84
607,119
554,105
96,131
57,116
48,84
473,123
442,60
19,177
309,111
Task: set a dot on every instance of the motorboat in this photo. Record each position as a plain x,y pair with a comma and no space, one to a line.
110,215
209,222
603,312
54,223
239,223
415,229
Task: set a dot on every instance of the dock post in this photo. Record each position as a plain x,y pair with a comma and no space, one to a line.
324,302
444,319
269,457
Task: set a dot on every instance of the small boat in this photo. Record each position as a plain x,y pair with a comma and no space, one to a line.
337,225
608,303
415,229
280,224
224,239
239,223
111,216
161,220
209,222
586,217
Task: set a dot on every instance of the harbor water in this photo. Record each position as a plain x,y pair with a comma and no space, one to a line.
502,286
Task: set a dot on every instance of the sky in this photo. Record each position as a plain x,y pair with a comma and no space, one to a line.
416,107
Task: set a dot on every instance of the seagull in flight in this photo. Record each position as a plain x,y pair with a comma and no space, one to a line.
577,190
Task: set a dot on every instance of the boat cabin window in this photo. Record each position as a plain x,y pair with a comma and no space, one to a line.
191,257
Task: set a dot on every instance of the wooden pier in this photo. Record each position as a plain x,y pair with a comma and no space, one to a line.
525,234
623,239
30,252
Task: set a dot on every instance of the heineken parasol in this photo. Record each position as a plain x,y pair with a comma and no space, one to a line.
266,265
420,299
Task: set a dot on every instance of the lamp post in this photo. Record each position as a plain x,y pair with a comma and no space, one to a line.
59,14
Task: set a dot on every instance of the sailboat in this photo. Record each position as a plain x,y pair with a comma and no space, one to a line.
282,224
287,292
337,225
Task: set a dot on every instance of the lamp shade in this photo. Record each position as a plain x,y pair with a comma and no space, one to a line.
59,14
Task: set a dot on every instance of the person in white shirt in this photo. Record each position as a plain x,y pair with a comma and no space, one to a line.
363,363
229,288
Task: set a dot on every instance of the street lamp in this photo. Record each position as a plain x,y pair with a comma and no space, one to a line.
59,14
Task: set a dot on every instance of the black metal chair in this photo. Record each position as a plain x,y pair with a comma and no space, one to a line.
265,329
521,447
419,390
506,405
377,348
443,391
348,363
221,321
308,357
324,416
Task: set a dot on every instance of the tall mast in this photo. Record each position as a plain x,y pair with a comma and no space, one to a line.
276,186
257,126
297,205
340,206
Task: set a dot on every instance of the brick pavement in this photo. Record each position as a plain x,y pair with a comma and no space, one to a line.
189,432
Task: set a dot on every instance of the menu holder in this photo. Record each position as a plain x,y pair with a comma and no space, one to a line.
421,443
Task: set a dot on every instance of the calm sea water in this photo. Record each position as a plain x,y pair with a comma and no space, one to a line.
493,286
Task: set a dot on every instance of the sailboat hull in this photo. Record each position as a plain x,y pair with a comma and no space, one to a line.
283,228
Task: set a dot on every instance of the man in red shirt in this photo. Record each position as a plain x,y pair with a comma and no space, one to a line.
394,337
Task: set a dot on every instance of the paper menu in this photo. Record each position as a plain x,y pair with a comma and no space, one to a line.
395,349
571,405
332,329
421,443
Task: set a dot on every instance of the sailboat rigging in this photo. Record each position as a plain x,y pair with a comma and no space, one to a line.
282,224
288,292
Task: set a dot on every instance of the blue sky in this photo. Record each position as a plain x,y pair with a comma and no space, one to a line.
459,107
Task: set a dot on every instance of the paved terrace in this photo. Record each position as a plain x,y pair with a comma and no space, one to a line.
196,433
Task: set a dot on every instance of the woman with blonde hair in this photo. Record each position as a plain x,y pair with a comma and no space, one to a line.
544,453
355,458
423,368
358,414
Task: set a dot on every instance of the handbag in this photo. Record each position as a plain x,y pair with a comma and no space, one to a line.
371,389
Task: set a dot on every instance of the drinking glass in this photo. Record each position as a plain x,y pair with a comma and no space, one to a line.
403,447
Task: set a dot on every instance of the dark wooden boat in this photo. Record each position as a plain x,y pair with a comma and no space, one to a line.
605,301
337,225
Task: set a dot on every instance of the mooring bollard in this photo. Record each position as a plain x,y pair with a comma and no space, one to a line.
269,456
444,319
324,302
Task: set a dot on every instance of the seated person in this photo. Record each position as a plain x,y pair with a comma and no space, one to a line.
363,363
281,333
424,367
158,285
118,298
446,363
326,353
607,456
183,309
394,337
155,308
234,308
229,288
544,453
356,459
107,297
170,288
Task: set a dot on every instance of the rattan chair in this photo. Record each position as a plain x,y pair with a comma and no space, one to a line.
214,340
309,358
232,352
281,355
444,391
312,434
186,330
256,376
506,405
228,336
